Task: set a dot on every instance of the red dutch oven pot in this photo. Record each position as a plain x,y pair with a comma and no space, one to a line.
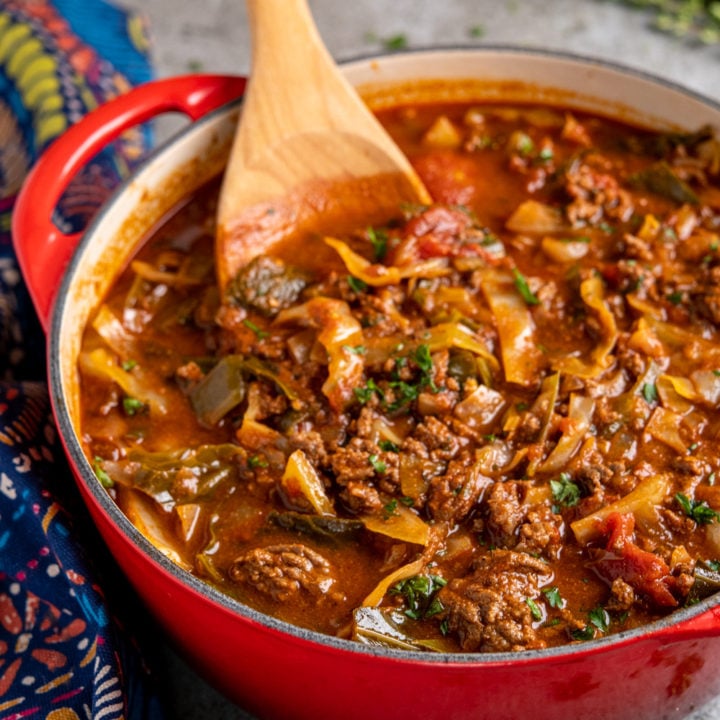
664,670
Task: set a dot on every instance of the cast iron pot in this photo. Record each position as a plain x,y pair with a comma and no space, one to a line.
274,670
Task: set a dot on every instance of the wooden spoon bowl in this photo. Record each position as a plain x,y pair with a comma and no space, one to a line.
308,157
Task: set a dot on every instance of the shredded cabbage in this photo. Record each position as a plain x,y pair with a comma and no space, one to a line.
341,335
378,275
642,502
301,479
521,359
592,293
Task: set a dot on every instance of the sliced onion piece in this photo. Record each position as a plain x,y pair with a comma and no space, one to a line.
300,479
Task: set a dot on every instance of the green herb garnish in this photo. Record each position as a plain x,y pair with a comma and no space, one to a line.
419,593
700,512
356,284
523,288
255,461
535,610
565,492
554,599
388,446
364,394
377,465
379,241
259,332
105,480
133,406
650,393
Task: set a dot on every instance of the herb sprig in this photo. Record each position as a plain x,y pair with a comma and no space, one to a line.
697,20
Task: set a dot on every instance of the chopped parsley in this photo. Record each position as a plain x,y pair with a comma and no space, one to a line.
390,508
379,241
585,633
404,392
700,512
423,360
255,461
565,492
365,393
133,406
523,288
535,610
105,480
356,284
260,334
598,620
388,446
377,465
650,393
553,597
546,154
420,595
395,42
129,365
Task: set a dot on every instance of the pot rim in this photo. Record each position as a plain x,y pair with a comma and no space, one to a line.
661,628
536,51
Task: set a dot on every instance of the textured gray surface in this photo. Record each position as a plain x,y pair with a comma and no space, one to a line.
212,36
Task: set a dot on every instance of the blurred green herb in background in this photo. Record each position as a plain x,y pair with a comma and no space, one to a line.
697,20
391,43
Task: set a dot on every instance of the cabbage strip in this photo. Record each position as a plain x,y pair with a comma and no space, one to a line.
521,358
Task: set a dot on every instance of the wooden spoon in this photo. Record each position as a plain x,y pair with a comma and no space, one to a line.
308,157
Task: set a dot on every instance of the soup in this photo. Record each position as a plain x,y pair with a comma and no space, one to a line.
490,425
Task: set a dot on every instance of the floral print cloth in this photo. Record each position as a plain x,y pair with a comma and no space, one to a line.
68,622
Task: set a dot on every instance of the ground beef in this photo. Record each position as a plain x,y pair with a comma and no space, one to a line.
638,248
311,443
488,610
285,572
361,497
595,195
707,301
453,495
441,442
351,463
505,511
622,596
541,533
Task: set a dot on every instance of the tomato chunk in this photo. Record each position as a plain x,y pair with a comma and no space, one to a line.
644,571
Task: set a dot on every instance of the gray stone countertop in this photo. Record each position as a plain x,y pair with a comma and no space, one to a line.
212,36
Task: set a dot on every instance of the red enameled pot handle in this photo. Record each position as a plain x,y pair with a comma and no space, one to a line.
43,251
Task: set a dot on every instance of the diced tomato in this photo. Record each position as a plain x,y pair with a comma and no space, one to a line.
449,177
645,572
439,231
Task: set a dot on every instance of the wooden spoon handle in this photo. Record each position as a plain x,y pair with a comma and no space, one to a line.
309,96
289,55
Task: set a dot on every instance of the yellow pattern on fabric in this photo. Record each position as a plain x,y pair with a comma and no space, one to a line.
49,515
62,714
90,655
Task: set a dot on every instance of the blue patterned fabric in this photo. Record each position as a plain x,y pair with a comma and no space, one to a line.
68,622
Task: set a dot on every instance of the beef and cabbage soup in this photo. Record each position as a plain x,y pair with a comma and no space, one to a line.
490,425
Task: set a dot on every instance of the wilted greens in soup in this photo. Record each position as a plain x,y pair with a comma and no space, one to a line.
491,425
